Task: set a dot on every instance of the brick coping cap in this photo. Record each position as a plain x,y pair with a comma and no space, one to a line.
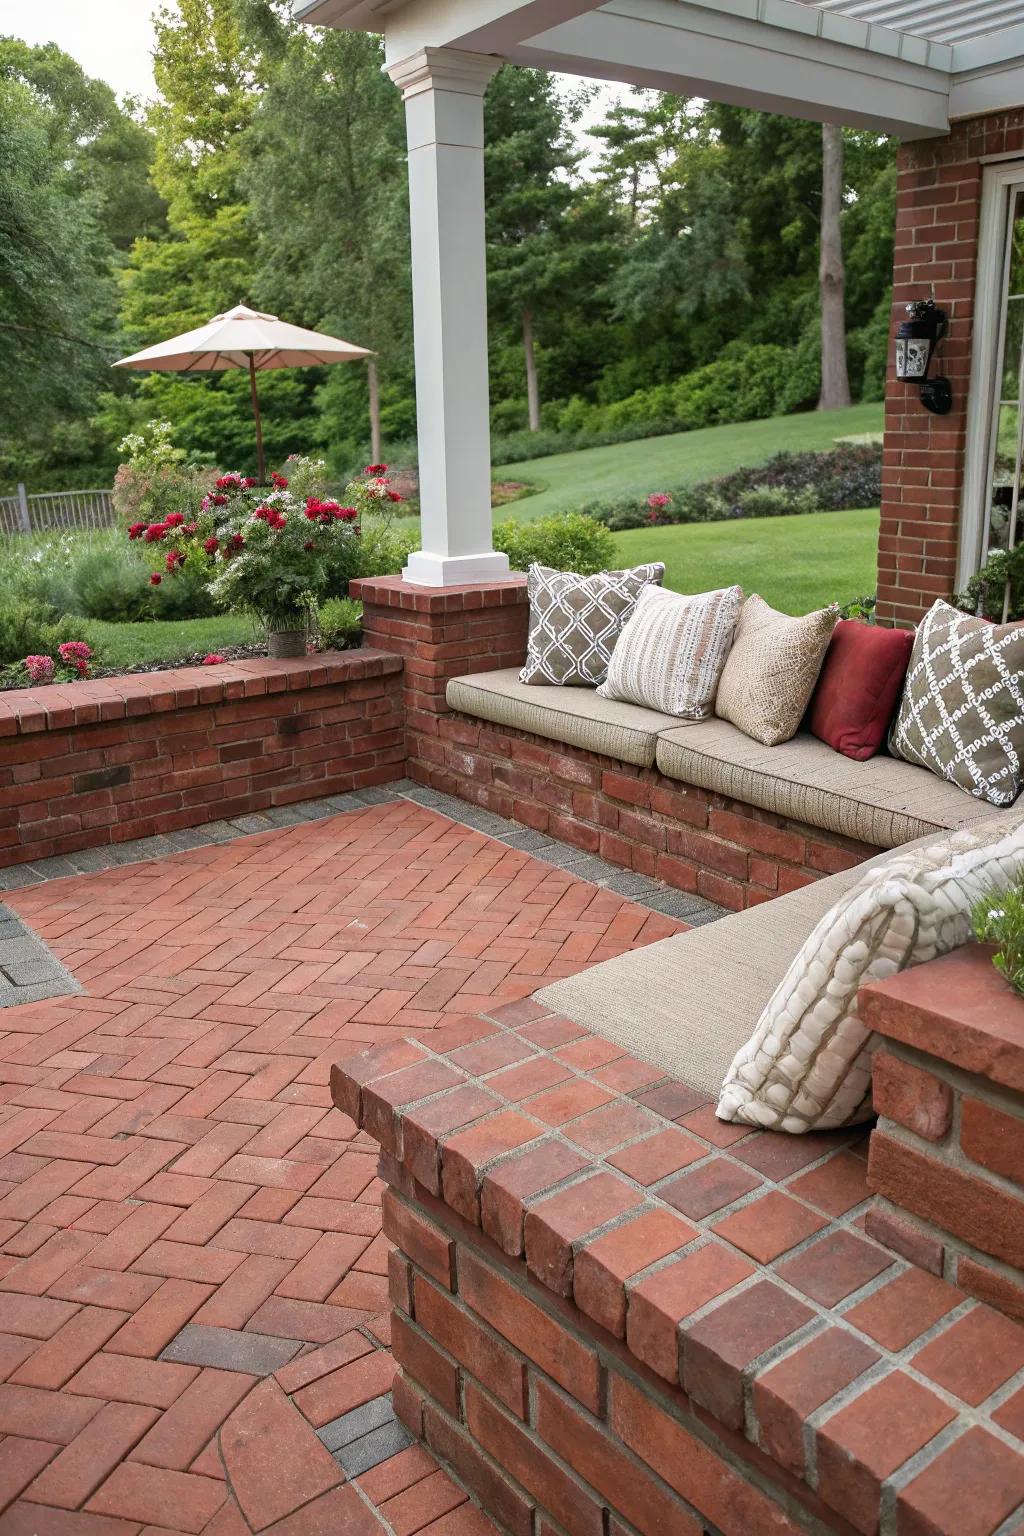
957,1008
56,706
393,592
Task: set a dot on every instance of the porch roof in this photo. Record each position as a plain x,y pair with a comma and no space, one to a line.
906,67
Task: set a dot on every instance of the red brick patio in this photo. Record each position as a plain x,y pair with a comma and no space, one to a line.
169,1160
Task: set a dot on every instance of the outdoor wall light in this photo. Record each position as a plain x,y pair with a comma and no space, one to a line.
916,340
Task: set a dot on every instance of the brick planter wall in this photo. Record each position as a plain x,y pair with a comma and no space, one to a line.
598,1344
126,757
948,1154
937,222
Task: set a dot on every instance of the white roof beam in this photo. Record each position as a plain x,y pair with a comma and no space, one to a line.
699,51
476,26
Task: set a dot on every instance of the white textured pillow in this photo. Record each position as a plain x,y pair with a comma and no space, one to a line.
671,652
808,1064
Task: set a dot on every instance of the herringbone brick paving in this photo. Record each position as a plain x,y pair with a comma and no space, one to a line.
192,1270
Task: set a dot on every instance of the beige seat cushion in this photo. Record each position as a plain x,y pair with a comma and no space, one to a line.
576,716
883,801
688,1004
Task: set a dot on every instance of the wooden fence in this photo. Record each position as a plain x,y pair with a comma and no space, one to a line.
52,510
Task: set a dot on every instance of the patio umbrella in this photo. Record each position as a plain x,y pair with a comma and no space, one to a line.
244,338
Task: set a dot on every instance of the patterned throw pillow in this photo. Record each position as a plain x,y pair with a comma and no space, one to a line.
671,653
962,714
807,1066
772,669
576,620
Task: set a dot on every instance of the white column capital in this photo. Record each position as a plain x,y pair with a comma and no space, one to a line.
443,69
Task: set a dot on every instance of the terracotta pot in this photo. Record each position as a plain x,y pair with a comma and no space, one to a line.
286,642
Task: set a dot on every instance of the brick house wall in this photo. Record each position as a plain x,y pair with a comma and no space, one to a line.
938,206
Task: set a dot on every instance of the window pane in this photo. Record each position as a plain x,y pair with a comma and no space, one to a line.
1004,476
1012,349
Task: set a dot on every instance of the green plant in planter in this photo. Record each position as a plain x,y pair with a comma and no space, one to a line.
999,919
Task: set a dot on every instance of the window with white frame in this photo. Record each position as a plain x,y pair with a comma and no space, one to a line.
993,509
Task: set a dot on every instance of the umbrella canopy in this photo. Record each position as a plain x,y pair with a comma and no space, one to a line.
244,338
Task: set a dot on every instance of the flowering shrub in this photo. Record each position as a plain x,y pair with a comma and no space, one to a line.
849,475
71,663
998,919
275,553
154,477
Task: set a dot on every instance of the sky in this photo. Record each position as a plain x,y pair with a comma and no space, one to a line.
113,40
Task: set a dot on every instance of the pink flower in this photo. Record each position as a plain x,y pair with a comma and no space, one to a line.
74,650
39,668
659,499
212,659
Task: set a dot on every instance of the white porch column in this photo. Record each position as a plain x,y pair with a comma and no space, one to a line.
443,91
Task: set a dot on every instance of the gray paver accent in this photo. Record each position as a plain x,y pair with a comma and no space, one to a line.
366,1436
256,1354
29,970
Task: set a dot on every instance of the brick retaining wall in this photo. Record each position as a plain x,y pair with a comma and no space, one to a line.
117,758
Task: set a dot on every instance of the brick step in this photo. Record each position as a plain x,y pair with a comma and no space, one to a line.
613,1311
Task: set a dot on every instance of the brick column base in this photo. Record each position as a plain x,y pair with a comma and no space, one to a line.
442,632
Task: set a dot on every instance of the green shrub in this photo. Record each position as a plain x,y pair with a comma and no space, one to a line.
773,501
383,548
339,623
29,629
567,541
109,579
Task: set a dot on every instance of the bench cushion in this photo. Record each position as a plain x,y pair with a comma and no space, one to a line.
688,1004
883,802
577,716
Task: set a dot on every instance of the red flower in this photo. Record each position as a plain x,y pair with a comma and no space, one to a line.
345,514
394,496
218,501
191,527
235,543
279,481
173,559
229,483
212,659
155,579
154,533
249,482
136,530
210,545
173,520
309,544
375,469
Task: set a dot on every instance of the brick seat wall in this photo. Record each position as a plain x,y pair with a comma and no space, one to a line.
728,852
104,761
947,1158
616,1316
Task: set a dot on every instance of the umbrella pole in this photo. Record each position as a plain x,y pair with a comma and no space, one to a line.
261,468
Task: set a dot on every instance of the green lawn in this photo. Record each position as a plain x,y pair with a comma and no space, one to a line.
129,645
795,563
568,479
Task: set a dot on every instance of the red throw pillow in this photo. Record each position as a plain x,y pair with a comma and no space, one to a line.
859,687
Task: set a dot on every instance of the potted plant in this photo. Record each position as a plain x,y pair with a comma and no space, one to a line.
273,552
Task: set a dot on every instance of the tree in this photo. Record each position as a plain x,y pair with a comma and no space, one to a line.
534,257
326,180
835,383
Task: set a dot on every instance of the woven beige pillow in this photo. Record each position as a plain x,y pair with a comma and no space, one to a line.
671,653
772,669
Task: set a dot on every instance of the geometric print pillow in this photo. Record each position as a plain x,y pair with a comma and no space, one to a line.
576,620
962,714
